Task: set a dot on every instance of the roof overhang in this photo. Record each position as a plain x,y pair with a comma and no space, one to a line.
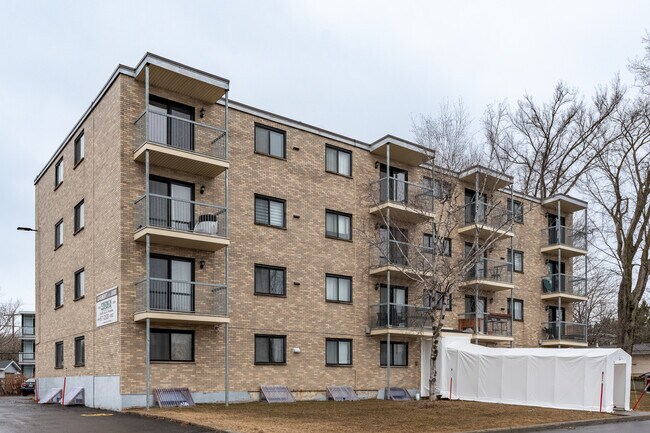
401,150
487,177
567,204
175,77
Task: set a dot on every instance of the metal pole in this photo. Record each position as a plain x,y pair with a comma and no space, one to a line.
148,326
587,312
512,262
226,120
146,102
476,249
388,288
227,333
147,200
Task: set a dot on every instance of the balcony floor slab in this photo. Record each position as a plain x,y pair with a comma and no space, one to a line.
179,317
180,239
178,159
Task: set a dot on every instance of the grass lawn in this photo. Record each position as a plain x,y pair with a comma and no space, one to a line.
368,416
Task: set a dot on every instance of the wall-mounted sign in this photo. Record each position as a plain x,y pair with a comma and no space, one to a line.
106,307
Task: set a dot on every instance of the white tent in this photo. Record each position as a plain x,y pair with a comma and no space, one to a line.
556,378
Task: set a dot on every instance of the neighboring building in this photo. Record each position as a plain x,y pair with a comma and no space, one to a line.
640,359
8,367
27,355
236,242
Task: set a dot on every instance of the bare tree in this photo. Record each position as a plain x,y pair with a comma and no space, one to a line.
549,146
620,188
641,67
9,328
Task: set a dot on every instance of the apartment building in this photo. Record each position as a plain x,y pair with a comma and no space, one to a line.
27,355
186,240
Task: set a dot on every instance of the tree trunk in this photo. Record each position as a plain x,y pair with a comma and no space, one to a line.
435,341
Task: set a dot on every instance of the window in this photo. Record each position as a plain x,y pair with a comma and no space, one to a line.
270,280
79,217
399,354
338,288
338,160
270,349
270,141
58,294
438,189
58,234
269,211
444,245
172,345
79,149
58,173
79,284
440,299
79,352
516,209
519,309
58,354
338,225
516,258
338,352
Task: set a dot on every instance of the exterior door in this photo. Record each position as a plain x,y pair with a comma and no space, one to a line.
477,308
479,269
552,230
394,246
172,205
556,317
557,273
170,123
395,188
397,302
475,212
171,288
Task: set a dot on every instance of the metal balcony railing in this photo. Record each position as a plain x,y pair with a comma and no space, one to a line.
561,330
28,331
404,255
181,134
401,316
485,215
391,190
26,357
188,297
568,236
181,215
496,271
564,283
497,325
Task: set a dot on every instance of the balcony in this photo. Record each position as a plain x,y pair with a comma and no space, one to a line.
181,223
175,301
486,327
407,201
408,260
26,358
490,275
569,288
180,144
407,320
568,241
485,220
27,332
564,334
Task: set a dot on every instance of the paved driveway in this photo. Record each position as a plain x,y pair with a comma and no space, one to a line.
619,427
22,415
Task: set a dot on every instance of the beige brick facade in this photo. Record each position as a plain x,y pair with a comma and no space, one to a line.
110,181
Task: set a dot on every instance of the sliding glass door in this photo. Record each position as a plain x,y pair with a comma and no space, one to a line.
170,123
171,286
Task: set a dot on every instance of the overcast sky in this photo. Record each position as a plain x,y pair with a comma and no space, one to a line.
359,68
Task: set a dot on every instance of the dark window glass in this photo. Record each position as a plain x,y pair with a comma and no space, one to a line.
270,280
58,354
170,123
269,141
444,245
58,294
58,173
79,149
518,305
172,345
399,354
58,234
338,225
79,352
338,160
440,300
79,284
79,217
338,288
269,211
338,352
270,349
516,209
517,259
437,188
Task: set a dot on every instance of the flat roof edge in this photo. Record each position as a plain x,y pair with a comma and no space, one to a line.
179,68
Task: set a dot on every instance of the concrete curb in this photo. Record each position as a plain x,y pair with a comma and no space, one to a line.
567,425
